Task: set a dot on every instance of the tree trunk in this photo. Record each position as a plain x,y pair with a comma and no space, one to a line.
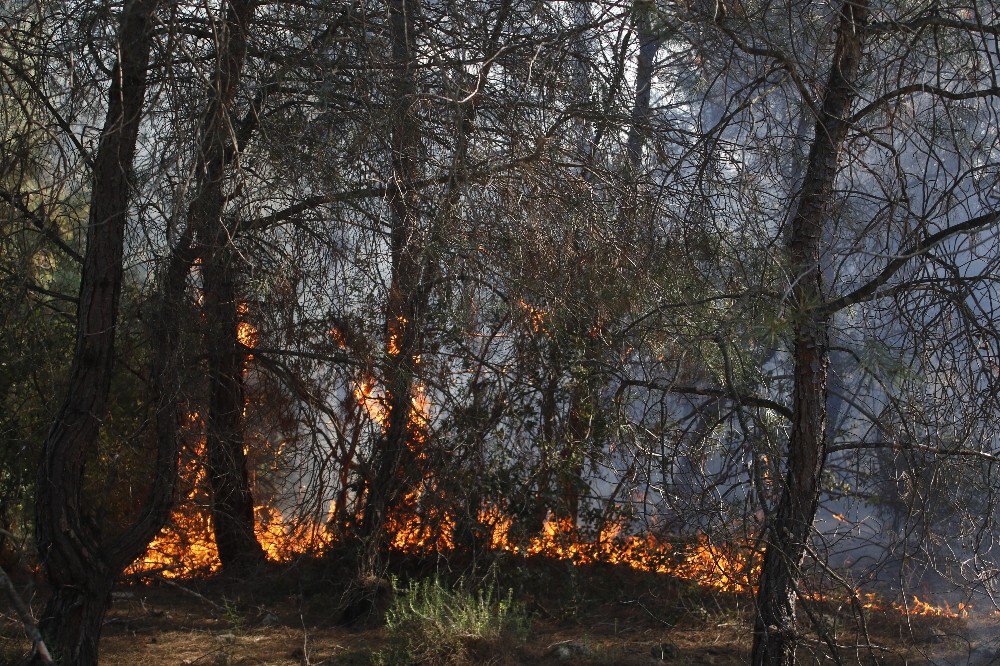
232,500
649,45
73,619
409,287
79,565
789,531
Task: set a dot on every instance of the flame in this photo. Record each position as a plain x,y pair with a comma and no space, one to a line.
372,401
419,524
536,316
338,338
186,548
919,607
729,568
499,525
246,332
395,329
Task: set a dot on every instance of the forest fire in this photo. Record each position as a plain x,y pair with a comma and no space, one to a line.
186,548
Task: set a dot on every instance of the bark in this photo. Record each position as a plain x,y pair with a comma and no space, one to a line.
788,532
80,565
81,616
409,287
649,44
232,499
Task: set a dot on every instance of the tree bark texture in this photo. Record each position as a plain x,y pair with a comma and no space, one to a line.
80,564
232,499
409,290
789,529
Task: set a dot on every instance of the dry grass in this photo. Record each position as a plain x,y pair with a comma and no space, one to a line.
617,617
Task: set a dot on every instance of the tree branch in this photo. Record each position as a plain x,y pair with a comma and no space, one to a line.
868,290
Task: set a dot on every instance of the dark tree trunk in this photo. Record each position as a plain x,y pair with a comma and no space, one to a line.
80,565
789,530
232,500
409,287
81,614
579,436
649,45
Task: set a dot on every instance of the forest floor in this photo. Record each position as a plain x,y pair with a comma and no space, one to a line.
579,615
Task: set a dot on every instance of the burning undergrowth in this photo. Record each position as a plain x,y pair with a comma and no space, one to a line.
421,525
186,548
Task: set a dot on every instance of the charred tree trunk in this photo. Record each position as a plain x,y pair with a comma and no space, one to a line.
409,287
789,530
232,500
80,564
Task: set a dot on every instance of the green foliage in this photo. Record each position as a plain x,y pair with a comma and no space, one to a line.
430,623
234,616
36,342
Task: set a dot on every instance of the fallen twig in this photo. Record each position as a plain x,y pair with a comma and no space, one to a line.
24,614
197,595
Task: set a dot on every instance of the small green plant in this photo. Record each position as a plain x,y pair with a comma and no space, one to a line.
430,623
234,616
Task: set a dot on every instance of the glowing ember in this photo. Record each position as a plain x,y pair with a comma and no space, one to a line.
246,332
536,316
392,347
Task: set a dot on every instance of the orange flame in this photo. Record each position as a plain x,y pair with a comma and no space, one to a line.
187,547
536,316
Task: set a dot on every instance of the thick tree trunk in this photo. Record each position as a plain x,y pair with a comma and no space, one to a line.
73,620
789,530
232,500
80,566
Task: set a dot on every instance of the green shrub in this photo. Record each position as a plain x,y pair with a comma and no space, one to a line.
429,623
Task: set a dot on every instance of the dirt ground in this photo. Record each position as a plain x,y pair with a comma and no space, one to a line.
602,616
